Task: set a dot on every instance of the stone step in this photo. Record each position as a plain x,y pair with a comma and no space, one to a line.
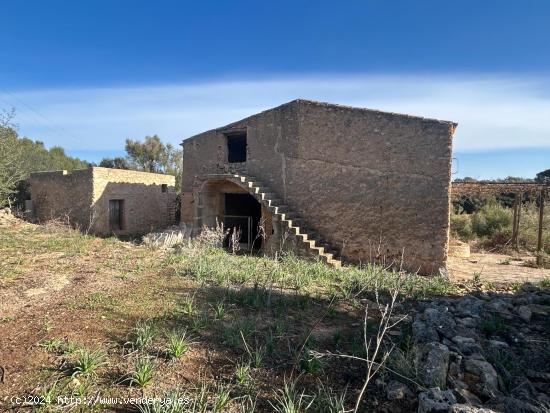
274,202
316,244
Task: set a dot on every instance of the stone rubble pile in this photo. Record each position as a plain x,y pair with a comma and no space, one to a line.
483,352
172,237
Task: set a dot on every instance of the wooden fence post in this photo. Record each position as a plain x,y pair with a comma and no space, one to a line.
515,221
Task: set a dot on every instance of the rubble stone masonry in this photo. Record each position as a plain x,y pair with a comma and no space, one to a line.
376,185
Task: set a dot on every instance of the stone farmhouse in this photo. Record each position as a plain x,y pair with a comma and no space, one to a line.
341,183
105,201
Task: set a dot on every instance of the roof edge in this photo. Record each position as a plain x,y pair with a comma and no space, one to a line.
301,101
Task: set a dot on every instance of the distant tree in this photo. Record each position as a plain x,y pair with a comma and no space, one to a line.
117,162
21,156
11,168
543,177
149,155
152,155
466,179
513,179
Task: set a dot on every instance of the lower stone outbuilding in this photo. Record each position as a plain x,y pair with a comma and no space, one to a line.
105,201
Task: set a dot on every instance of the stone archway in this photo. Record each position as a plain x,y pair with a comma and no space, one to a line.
221,200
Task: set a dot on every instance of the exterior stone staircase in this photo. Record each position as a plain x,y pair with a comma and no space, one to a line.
313,242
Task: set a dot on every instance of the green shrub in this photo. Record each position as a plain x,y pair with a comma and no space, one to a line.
461,226
491,219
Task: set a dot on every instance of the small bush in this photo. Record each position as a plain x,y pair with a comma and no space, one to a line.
491,219
461,226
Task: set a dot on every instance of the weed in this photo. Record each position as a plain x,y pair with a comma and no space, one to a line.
88,361
48,325
242,373
48,395
257,356
219,310
290,400
516,286
143,335
188,307
178,344
476,279
52,345
337,338
329,401
309,364
222,397
143,372
493,325
544,283
247,404
199,323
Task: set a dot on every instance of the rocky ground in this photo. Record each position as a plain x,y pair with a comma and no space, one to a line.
482,352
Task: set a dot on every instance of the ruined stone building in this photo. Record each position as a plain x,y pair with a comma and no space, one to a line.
105,201
342,183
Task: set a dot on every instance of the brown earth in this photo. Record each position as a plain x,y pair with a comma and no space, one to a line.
86,292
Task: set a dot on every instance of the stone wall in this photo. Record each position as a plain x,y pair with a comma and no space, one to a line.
62,195
82,197
374,184
146,206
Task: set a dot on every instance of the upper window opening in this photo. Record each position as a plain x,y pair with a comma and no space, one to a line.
236,147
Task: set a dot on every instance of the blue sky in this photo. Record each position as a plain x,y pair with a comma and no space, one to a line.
88,74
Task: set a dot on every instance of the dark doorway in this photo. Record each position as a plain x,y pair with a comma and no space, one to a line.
244,212
116,214
236,147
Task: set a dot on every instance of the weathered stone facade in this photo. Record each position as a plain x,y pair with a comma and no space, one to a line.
373,185
145,201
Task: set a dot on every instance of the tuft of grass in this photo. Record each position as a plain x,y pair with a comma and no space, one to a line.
242,373
290,400
188,306
308,364
221,399
329,401
178,344
143,372
219,310
199,323
88,361
544,283
48,395
143,336
53,345
493,325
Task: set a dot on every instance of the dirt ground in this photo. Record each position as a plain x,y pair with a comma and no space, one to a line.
495,268
61,291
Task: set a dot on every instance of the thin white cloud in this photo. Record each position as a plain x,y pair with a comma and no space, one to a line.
493,112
